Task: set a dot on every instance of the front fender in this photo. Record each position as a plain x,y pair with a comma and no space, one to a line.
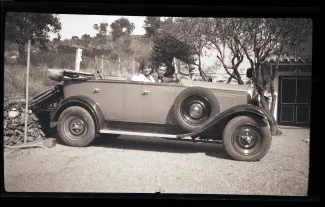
227,115
90,105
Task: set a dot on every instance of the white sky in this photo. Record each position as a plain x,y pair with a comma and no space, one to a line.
77,25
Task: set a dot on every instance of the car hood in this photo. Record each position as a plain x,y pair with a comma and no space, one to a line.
222,86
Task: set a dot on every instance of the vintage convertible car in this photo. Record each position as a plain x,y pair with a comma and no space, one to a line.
87,106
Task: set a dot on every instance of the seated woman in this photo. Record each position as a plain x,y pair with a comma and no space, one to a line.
145,75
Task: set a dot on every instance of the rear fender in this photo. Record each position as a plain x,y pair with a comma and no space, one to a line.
90,105
224,117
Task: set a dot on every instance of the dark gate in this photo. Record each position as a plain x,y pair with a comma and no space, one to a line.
294,100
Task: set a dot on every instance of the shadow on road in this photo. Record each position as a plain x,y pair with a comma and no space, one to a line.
161,145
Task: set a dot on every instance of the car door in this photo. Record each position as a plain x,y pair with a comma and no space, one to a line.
111,95
132,102
148,102
156,102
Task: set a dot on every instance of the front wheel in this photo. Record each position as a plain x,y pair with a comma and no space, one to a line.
247,138
76,127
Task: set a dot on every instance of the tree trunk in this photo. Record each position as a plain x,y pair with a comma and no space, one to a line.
201,71
229,79
273,98
240,81
260,89
270,115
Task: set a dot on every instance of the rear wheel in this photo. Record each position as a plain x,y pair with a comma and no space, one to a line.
247,138
76,127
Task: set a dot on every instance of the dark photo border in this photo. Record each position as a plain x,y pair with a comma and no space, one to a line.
142,9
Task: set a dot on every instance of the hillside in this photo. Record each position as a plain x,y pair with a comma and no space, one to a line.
117,58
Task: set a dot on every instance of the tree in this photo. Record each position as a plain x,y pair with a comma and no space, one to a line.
192,32
166,47
152,25
263,38
121,27
86,39
220,36
21,27
101,29
102,32
75,40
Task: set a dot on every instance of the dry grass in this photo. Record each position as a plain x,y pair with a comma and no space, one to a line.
15,81
15,77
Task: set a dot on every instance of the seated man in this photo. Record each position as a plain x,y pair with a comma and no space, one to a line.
160,75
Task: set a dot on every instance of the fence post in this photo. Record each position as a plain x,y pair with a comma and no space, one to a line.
78,59
119,64
27,86
102,66
133,67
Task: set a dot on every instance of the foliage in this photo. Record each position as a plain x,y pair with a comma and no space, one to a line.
152,25
121,27
220,36
190,31
166,47
21,27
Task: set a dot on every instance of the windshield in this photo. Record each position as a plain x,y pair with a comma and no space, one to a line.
181,67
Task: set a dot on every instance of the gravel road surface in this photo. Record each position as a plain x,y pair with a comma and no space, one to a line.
149,165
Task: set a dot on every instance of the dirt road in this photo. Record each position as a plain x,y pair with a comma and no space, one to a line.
149,165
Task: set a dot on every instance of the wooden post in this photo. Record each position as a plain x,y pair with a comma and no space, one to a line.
119,67
76,68
133,67
119,63
102,66
27,86
78,59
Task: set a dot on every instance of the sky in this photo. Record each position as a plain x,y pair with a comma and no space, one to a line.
77,25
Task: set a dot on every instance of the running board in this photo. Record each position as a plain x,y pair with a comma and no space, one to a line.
145,134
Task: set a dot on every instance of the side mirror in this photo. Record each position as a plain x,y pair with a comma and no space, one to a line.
249,73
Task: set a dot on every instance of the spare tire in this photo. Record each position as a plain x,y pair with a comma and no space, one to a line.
194,107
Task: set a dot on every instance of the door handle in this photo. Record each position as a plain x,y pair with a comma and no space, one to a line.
96,90
145,92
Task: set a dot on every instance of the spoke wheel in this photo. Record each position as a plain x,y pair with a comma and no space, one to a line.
76,127
247,138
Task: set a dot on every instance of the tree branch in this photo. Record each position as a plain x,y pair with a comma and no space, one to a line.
226,68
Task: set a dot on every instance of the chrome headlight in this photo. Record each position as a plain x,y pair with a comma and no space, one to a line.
254,97
250,91
249,95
